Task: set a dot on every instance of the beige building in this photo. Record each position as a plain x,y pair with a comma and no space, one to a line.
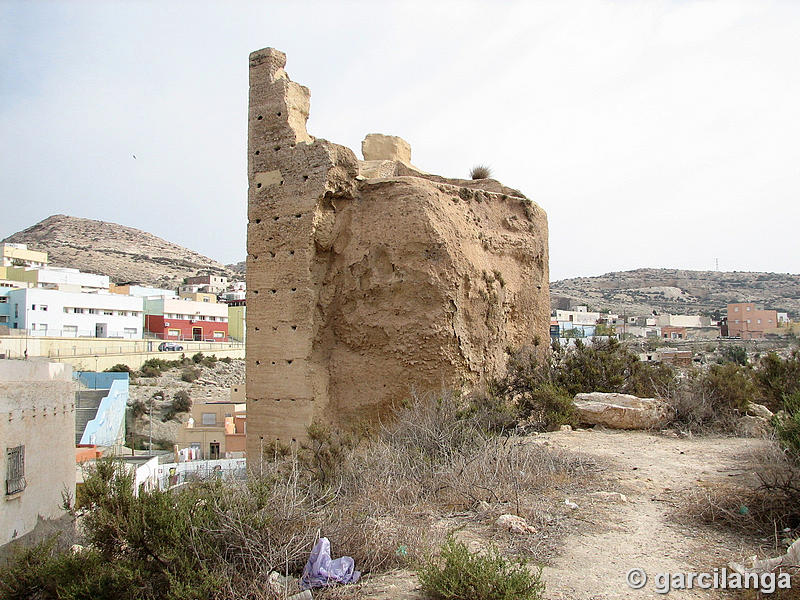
37,430
18,255
217,429
199,297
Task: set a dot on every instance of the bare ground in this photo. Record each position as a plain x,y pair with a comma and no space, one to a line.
602,540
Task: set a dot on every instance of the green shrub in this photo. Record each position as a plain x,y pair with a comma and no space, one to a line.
226,359
40,572
321,456
190,374
198,358
119,368
149,371
787,427
459,574
547,407
777,377
138,408
490,410
735,354
729,387
181,403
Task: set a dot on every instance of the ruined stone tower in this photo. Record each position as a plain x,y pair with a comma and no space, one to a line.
368,278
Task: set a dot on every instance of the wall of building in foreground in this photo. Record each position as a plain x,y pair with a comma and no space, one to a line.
37,412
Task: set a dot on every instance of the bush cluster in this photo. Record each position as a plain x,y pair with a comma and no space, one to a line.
375,496
458,574
539,390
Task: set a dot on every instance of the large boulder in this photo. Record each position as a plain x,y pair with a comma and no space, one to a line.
622,411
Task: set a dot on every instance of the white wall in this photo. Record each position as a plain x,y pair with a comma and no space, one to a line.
683,321
37,401
194,310
577,317
88,282
26,309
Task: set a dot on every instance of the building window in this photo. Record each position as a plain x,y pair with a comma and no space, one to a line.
43,327
748,308
3,299
735,309
43,307
131,331
174,332
33,307
15,471
77,311
92,311
209,419
108,312
219,334
758,321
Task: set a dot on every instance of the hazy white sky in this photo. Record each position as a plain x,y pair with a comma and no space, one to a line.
654,134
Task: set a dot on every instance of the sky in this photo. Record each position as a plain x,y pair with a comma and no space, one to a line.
654,134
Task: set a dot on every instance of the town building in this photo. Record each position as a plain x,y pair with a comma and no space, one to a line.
684,321
141,291
236,291
45,312
216,429
748,322
58,278
199,297
211,284
237,320
670,332
18,255
175,319
669,356
37,430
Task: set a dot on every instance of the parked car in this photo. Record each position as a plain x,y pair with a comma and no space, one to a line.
169,347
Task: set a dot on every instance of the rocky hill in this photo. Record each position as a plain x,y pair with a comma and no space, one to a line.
677,291
122,253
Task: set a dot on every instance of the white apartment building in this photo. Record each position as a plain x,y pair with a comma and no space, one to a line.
59,278
578,317
57,313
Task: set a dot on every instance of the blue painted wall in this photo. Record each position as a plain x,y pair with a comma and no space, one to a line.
99,381
108,427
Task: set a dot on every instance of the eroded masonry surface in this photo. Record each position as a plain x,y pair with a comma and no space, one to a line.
369,278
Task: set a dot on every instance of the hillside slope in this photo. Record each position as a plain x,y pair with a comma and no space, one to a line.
123,253
678,291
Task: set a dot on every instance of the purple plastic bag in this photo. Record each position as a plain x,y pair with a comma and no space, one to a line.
321,571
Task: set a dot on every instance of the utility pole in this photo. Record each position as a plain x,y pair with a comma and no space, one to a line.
150,416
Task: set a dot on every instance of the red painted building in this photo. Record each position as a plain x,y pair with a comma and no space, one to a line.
173,319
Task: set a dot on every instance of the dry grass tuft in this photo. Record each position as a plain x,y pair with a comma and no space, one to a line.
480,172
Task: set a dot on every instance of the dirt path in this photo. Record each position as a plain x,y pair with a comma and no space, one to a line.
652,471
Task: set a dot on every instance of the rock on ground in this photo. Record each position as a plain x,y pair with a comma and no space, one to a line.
621,411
